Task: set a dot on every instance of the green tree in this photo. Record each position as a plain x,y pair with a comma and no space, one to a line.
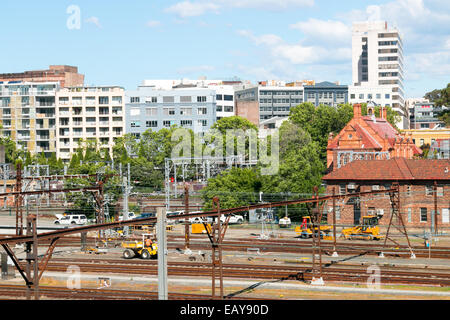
440,97
319,121
234,187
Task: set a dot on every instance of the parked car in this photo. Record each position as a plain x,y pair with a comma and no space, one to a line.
172,214
71,219
234,219
131,216
209,220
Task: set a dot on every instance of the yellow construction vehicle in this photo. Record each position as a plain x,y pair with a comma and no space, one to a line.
305,230
368,230
145,249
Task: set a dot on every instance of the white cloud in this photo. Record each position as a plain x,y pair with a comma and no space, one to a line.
153,23
328,31
95,21
190,8
297,53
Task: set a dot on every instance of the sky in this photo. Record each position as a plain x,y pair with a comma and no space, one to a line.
125,42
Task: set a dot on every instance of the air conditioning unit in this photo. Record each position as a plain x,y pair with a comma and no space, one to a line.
351,186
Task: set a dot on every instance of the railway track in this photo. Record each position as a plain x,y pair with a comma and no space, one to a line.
17,291
345,273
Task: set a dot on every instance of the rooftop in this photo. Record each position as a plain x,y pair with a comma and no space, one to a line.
395,169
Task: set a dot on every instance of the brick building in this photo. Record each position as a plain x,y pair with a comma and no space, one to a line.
368,137
66,76
416,178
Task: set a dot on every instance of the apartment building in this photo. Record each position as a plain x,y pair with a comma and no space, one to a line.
424,115
258,103
377,67
66,76
326,93
91,113
27,115
187,107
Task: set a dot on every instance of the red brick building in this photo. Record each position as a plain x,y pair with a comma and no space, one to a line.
67,76
367,134
416,178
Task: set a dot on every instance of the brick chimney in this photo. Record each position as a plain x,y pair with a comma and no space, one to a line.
356,111
383,113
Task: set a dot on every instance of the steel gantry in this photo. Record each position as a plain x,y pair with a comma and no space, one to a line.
216,235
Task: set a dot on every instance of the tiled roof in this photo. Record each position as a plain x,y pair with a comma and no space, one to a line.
393,169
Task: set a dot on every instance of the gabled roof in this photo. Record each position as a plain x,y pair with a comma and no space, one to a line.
395,169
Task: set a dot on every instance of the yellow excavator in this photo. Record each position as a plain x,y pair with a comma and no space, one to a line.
305,230
145,249
368,230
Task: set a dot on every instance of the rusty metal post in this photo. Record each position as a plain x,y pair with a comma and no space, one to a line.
435,209
186,222
334,223
19,200
32,255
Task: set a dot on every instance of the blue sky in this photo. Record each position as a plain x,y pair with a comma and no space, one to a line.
125,42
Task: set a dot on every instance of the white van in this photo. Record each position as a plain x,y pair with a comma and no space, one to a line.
71,219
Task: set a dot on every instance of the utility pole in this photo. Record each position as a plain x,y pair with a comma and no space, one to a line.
435,209
126,194
335,254
162,253
186,211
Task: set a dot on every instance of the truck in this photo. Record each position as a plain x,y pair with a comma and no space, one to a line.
145,249
305,230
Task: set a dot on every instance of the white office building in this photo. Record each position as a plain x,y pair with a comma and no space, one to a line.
377,67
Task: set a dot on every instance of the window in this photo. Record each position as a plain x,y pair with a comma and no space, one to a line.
219,108
151,112
218,97
168,99
166,123
429,190
185,99
103,100
135,111
228,109
151,124
201,99
154,99
387,96
186,111
135,124
228,97
352,96
203,111
203,123
134,100
361,95
186,123
440,191
410,215
169,111
423,215
338,213
369,96
378,95
342,189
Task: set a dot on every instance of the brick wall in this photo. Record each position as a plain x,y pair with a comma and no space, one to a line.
413,197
